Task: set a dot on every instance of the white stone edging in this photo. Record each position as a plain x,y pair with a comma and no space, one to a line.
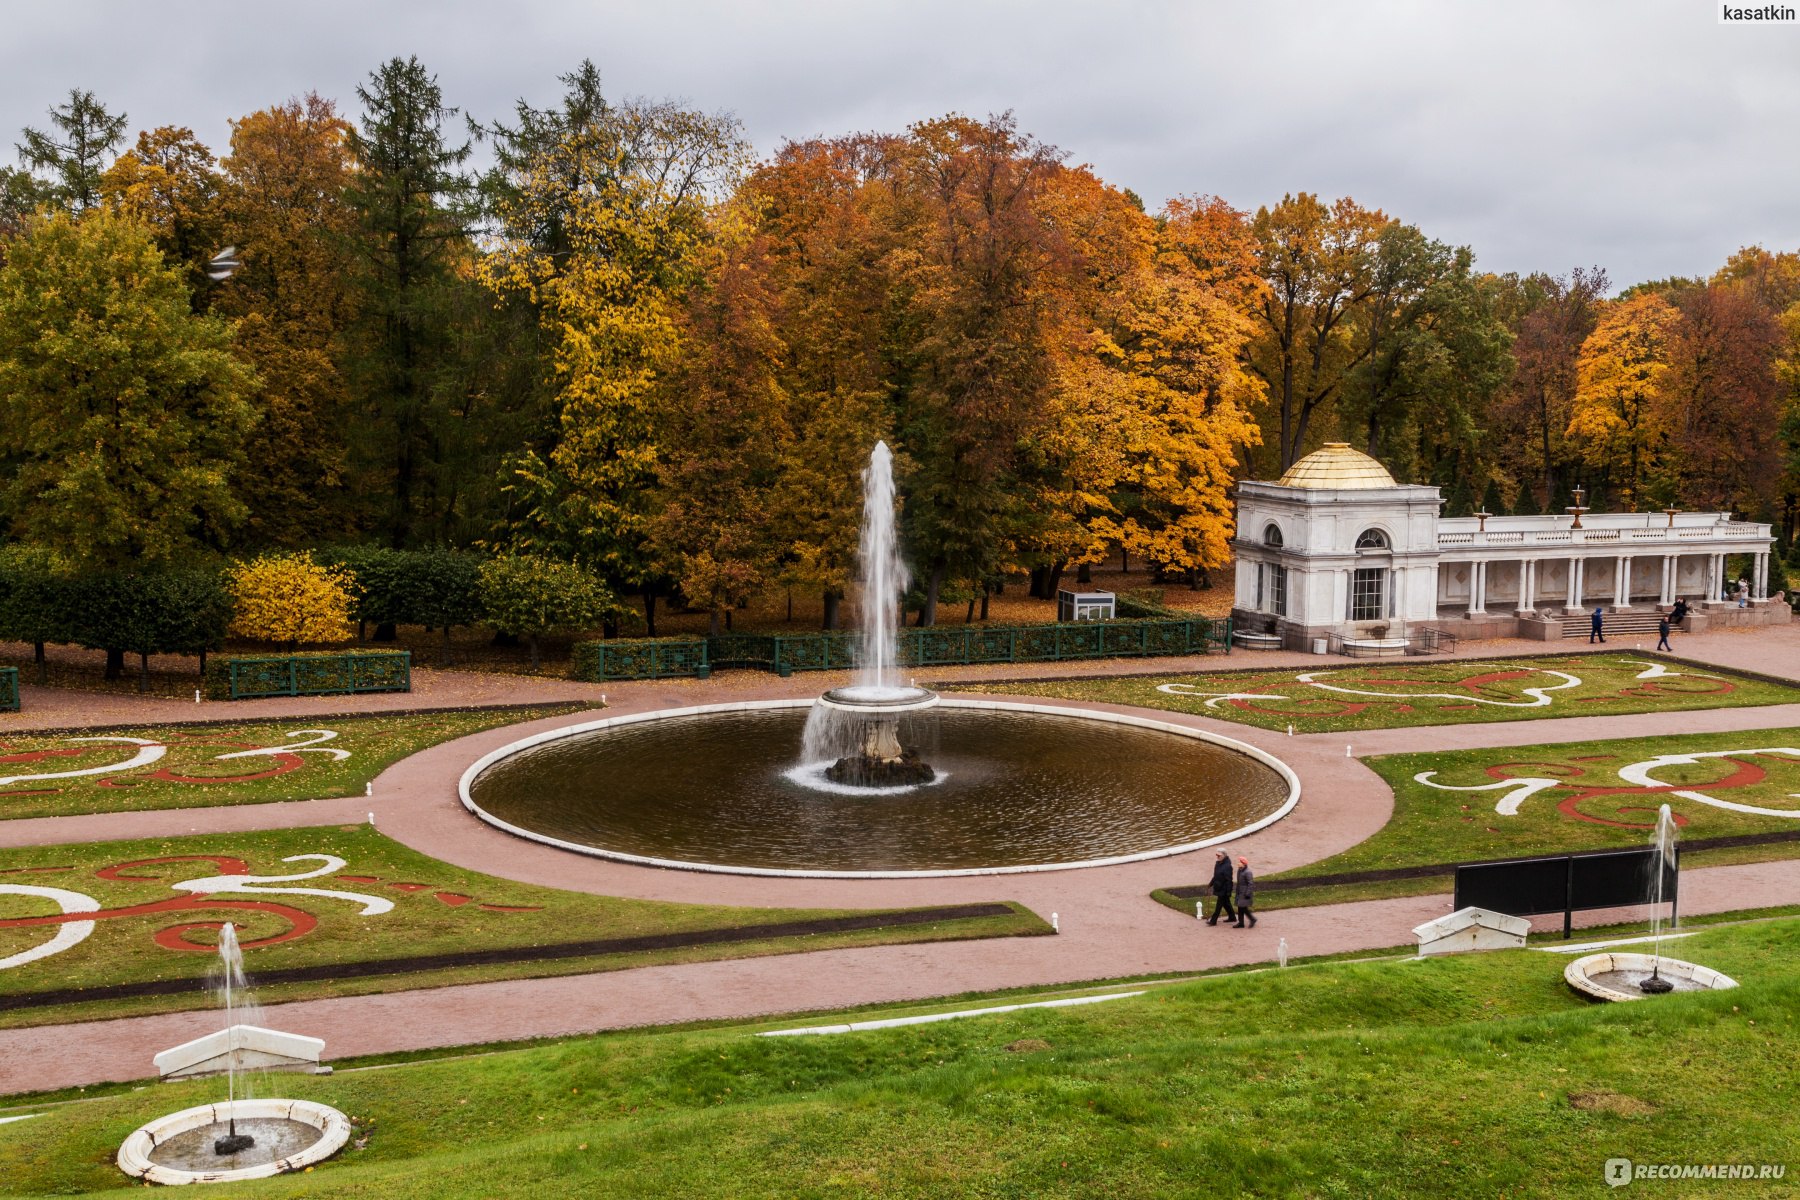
134,1156
1079,714
928,1018
1580,974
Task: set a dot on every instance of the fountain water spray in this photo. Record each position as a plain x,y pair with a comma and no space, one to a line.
231,964
1662,841
1281,952
858,732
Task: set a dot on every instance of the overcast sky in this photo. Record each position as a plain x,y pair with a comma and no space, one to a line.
1638,135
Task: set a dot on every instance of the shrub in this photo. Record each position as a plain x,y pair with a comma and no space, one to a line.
37,598
290,598
533,596
439,588
161,612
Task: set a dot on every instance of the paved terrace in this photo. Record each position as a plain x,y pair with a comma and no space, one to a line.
1109,925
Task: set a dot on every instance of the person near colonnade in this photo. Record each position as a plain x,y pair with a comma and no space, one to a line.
1598,632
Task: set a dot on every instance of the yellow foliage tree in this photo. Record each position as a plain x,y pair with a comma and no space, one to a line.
290,598
1616,420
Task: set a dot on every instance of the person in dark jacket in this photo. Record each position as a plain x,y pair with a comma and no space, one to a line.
1246,892
1662,633
1221,888
1679,613
1597,633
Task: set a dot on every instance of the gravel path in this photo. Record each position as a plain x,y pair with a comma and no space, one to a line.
1109,925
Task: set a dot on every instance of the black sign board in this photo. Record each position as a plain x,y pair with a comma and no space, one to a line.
1567,883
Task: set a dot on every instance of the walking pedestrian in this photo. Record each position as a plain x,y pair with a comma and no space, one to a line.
1662,633
1221,888
1598,632
1246,892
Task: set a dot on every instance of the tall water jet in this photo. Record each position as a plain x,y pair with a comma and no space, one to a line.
864,733
231,982
1662,844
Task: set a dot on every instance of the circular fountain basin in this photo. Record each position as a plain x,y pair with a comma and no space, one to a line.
1019,787
867,697
1617,976
290,1135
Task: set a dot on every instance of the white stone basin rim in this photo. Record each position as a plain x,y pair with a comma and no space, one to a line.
334,1127
1580,974
1078,714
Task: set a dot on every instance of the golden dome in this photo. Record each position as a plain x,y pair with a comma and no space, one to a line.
1336,465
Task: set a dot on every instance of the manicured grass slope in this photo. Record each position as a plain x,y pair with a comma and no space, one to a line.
123,949
373,742
1477,1076
1410,692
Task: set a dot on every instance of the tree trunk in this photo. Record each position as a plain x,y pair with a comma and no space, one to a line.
713,624
985,593
362,630
609,628
203,662
37,653
728,620
832,602
1038,575
1086,574
386,632
446,658
969,617
928,610
115,664
143,671
531,639
1124,560
503,638
649,612
790,600
1054,581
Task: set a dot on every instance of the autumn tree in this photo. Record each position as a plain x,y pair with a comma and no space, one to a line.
602,223
289,598
282,198
73,152
535,597
1551,318
824,252
124,413
170,182
1719,397
1616,420
1320,265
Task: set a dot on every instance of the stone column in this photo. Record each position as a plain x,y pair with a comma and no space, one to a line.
1759,589
1477,588
1527,585
1670,567
1622,582
1575,582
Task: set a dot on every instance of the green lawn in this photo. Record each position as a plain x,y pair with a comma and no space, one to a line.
1474,1076
436,909
1579,802
1398,692
192,766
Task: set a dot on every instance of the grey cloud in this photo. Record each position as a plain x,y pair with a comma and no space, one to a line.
1637,134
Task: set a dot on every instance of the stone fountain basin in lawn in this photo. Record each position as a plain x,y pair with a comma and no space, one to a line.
139,1155
1615,976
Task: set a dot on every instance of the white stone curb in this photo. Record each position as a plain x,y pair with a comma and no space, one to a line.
1078,714
897,1022
134,1155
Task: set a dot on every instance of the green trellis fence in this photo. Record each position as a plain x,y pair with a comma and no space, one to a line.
310,675
940,646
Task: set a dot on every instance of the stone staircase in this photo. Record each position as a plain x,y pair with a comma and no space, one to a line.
1634,622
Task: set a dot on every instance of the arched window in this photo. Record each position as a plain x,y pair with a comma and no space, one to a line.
1272,535
1371,539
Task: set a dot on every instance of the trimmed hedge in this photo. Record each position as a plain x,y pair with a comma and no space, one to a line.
940,645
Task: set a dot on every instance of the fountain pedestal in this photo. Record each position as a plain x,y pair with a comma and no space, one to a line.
859,729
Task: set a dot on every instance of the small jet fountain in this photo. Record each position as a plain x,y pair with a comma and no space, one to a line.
1623,976
863,731
241,1138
